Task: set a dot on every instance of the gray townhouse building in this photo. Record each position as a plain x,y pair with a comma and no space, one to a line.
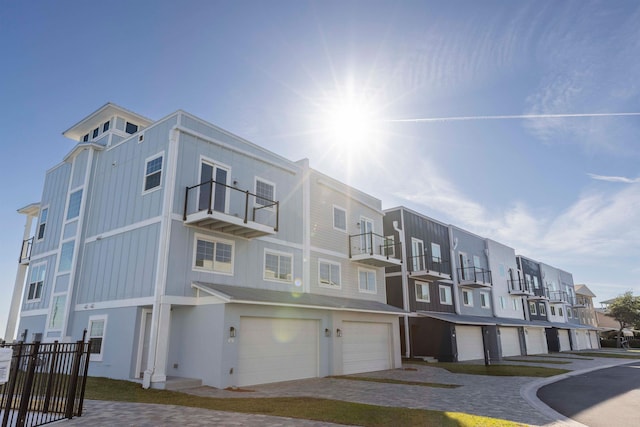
187,252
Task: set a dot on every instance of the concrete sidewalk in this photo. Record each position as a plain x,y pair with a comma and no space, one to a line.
510,398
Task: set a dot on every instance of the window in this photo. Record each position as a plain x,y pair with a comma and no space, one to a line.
36,282
57,312
445,294
484,300
515,305
560,312
85,138
105,127
417,255
213,255
422,292
367,280
436,255
97,328
329,273
339,219
536,283
476,261
553,310
153,173
265,193
467,298
74,204
543,309
503,303
131,128
95,133
66,256
569,313
390,246
575,312
532,308
278,266
43,223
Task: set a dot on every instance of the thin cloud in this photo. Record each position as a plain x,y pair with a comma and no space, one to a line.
614,178
510,117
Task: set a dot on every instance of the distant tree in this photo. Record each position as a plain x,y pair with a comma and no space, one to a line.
625,309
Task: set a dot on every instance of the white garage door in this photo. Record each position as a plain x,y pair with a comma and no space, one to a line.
510,342
272,350
582,339
593,337
366,347
565,344
470,344
536,340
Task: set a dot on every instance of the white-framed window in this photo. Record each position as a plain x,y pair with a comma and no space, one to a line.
417,255
553,310
153,173
543,309
503,303
575,312
367,280
436,253
97,330
42,224
536,283
484,300
278,266
560,312
329,273
467,298
515,304
422,292
339,218
66,256
265,193
569,313
36,282
56,316
105,126
213,255
532,308
390,246
476,261
75,199
130,128
445,294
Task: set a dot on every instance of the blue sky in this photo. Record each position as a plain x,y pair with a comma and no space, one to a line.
564,191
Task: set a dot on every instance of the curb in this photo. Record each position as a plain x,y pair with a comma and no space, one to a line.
529,393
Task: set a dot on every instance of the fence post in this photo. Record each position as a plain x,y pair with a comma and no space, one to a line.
28,384
11,385
50,379
86,351
71,395
246,207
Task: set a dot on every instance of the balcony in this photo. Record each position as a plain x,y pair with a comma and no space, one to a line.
428,268
25,251
374,250
557,296
519,287
219,207
577,302
539,294
474,277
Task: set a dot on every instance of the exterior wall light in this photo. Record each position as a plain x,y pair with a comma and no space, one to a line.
327,332
232,332
338,332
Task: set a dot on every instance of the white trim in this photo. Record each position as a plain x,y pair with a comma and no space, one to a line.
428,285
329,252
32,267
448,293
120,303
125,229
469,295
214,165
396,274
278,254
79,189
375,281
433,258
97,357
38,312
145,175
214,240
486,298
333,214
143,325
255,191
39,223
328,285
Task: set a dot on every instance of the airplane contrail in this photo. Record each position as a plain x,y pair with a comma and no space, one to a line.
519,116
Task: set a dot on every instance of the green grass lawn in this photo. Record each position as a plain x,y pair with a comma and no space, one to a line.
295,407
563,357
500,370
551,362
392,381
609,355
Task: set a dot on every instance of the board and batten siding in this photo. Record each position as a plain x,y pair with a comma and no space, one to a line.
50,266
79,170
472,246
119,267
54,197
500,254
116,192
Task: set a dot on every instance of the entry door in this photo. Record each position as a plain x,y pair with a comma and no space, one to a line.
210,172
366,238
417,255
464,263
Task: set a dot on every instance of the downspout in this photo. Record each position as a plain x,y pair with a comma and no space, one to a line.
453,244
487,252
405,283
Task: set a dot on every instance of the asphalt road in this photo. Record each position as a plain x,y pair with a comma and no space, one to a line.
604,398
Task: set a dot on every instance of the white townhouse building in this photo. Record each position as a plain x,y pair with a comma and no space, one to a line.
188,252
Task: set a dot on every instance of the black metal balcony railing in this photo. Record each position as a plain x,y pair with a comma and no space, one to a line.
25,251
557,296
474,274
519,286
373,244
419,263
212,196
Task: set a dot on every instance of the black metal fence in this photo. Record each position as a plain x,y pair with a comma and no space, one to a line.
46,383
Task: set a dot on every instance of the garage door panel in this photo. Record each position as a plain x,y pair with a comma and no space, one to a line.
469,342
272,350
565,343
536,341
510,341
366,347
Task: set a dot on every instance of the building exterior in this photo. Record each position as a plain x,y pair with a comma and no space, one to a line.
186,251
584,304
